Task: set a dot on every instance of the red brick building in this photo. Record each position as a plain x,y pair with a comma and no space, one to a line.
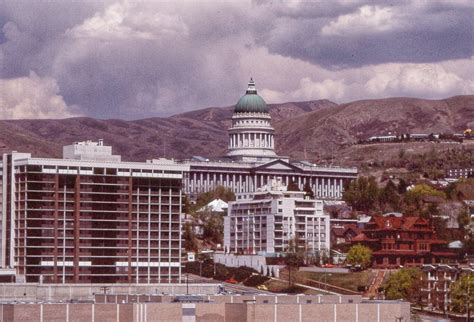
90,221
403,241
436,284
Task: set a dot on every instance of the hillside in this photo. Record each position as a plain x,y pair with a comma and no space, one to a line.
314,130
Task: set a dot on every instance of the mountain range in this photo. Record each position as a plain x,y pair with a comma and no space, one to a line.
318,130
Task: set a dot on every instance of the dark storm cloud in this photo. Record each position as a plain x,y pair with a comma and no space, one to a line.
431,33
130,60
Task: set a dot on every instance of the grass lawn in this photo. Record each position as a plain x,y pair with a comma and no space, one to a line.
351,281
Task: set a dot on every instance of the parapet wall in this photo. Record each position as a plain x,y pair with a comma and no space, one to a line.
57,292
251,312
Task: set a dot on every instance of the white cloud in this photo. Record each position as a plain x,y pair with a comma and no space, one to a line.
424,80
311,82
126,21
32,97
367,19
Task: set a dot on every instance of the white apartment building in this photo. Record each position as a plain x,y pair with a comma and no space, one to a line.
264,222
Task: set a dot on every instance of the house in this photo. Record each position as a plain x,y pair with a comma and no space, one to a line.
343,234
403,241
436,283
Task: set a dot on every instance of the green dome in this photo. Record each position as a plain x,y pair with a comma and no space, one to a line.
251,102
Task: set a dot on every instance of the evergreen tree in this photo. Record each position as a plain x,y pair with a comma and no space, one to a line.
308,190
292,186
190,241
362,194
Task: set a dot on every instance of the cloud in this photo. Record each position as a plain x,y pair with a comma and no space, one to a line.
423,80
367,19
127,59
413,80
122,22
32,97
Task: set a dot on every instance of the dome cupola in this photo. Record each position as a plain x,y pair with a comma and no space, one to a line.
251,102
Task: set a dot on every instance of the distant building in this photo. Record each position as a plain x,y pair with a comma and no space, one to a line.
460,173
89,218
343,234
403,241
216,205
436,283
266,221
382,138
90,150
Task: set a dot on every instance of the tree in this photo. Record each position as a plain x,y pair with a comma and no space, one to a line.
294,258
462,294
463,217
389,198
308,190
292,186
422,190
190,241
213,227
219,192
359,255
402,186
404,284
362,194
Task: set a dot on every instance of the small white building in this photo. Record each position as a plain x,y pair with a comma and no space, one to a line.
91,151
216,205
264,222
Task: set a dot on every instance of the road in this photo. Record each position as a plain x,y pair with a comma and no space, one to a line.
234,288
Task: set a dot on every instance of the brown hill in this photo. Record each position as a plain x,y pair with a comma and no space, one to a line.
305,130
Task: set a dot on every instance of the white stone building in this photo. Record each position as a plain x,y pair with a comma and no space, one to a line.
251,161
264,222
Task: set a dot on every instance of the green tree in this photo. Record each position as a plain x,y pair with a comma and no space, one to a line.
463,217
404,284
292,186
359,255
219,192
402,186
294,258
362,194
190,240
462,294
389,199
423,190
213,229
308,190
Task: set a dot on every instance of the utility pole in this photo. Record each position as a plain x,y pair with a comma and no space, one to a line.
468,302
187,283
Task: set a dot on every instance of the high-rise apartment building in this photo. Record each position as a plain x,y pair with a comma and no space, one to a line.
91,220
267,221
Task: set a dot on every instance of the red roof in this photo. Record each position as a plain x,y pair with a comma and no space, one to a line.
360,237
393,222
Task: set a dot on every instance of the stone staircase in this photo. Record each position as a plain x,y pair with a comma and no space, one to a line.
372,292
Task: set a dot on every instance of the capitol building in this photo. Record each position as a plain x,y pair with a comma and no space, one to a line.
251,161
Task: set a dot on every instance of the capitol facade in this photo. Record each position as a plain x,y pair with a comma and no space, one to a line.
251,161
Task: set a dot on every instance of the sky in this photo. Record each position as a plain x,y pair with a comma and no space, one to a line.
140,59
